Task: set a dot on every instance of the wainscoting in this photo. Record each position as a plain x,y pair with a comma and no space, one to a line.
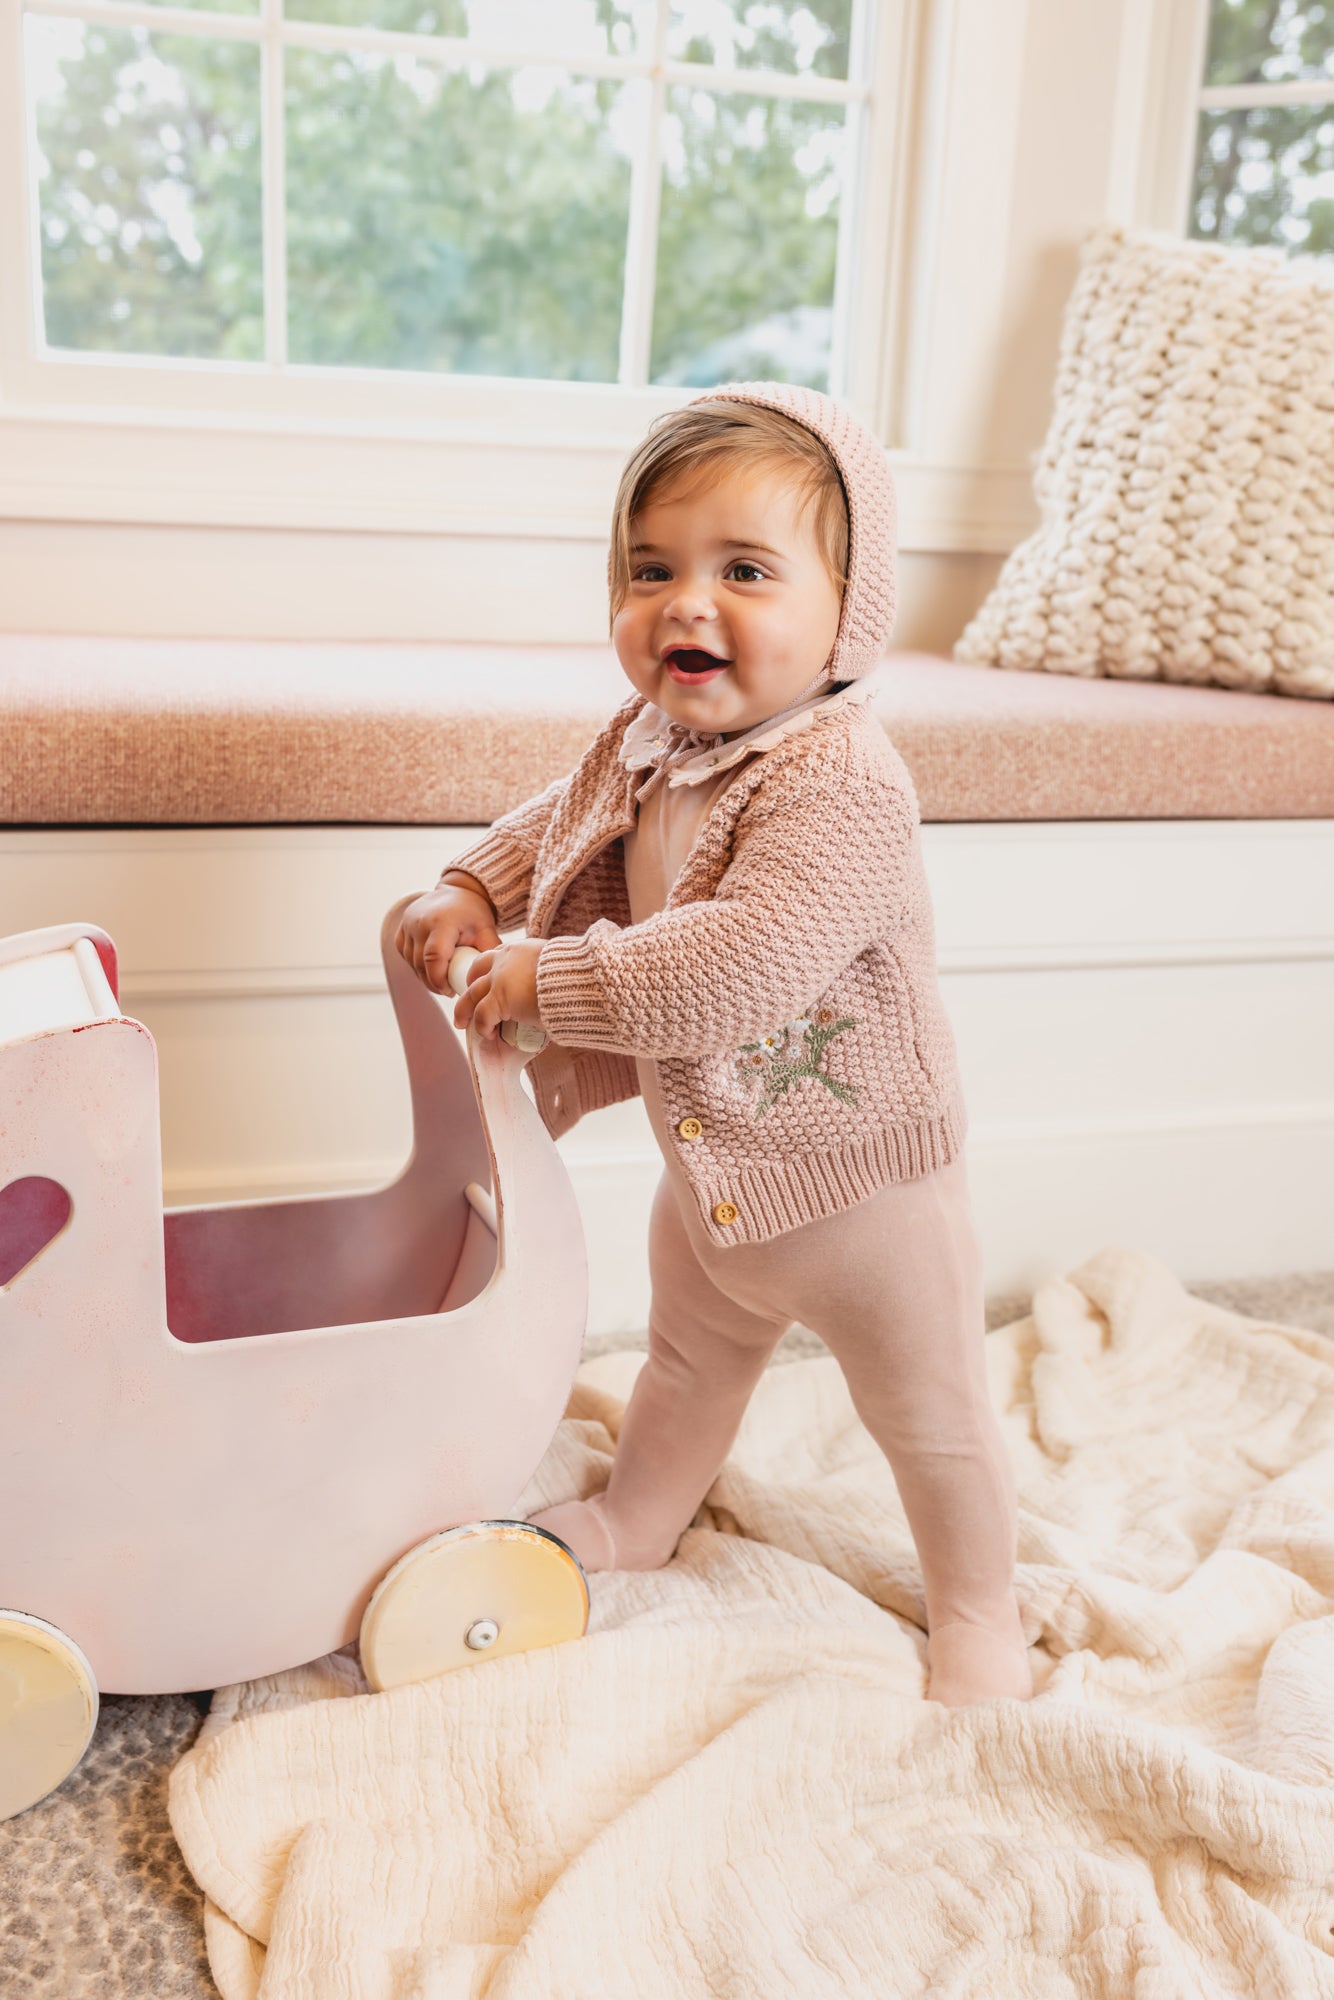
1142,1009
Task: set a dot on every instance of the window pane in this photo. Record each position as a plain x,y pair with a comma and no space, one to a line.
749,239
556,27
1267,176
148,186
470,220
799,37
1270,41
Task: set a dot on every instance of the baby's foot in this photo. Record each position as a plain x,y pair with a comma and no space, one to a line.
968,1663
583,1526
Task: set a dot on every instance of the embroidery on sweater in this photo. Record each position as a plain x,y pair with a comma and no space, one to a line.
789,1055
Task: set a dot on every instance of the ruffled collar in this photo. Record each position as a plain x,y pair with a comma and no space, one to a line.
653,737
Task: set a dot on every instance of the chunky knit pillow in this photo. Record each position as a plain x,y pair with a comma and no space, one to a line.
1187,480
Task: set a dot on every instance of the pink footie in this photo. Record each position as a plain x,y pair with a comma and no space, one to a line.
582,1526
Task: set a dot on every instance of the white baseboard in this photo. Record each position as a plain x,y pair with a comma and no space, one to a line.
1141,1008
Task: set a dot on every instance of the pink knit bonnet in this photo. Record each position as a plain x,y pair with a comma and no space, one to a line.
868,598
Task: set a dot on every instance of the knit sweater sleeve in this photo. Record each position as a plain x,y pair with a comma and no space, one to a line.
504,858
811,882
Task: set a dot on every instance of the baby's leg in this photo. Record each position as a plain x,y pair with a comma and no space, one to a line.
705,1355
909,1334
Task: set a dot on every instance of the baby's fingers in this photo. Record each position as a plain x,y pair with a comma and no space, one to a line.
487,1016
478,1003
437,950
408,947
469,1010
406,943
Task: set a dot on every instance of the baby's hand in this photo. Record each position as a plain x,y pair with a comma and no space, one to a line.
433,927
502,986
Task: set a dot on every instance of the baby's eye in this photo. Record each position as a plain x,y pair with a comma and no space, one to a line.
754,568
641,575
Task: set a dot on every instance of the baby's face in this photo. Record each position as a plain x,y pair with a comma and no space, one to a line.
737,573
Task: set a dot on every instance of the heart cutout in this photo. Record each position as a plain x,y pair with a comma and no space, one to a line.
33,1212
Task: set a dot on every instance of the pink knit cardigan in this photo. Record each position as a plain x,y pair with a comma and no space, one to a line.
787,991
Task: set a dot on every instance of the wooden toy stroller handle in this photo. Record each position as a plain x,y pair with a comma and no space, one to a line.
519,1034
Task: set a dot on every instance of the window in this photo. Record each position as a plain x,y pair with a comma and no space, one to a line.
1264,164
629,192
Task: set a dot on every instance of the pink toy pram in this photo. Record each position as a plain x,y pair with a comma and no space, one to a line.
235,1438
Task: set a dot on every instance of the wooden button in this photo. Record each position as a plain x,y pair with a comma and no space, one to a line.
725,1211
690,1128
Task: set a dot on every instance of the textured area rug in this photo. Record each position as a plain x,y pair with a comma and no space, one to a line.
96,1902
732,1786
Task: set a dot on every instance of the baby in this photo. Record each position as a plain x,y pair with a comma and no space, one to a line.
727,912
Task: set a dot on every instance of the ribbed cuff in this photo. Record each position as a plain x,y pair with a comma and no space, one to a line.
774,1196
568,1084
464,880
503,871
570,998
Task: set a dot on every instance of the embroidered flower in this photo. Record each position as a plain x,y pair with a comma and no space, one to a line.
791,1054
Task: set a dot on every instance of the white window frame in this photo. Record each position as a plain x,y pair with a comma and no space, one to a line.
571,426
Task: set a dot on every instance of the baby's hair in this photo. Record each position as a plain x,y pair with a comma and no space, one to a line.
688,451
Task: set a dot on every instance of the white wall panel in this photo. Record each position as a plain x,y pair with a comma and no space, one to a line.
1141,1009
254,583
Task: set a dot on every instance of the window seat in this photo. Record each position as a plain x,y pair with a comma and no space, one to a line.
193,732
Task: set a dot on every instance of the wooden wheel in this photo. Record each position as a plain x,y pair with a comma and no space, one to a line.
470,1594
48,1710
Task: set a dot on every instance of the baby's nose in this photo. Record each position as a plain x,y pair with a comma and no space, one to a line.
692,600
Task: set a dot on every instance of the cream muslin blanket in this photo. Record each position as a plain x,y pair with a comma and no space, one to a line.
732,1786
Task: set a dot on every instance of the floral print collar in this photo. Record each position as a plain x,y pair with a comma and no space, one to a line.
652,737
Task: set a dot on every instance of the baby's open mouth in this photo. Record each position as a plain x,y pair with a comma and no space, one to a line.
693,660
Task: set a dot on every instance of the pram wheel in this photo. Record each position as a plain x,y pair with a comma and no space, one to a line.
48,1710
470,1594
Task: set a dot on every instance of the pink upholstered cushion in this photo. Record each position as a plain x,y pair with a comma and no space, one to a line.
197,732
983,745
